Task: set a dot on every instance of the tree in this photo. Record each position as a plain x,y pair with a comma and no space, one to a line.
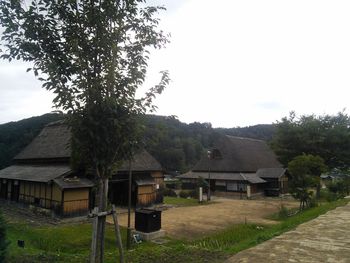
93,56
305,172
326,136
3,241
340,187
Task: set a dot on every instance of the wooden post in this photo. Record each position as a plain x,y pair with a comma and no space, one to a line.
117,234
128,233
94,235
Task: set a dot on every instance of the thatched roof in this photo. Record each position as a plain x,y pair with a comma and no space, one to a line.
34,173
142,161
239,155
248,177
271,172
70,183
53,142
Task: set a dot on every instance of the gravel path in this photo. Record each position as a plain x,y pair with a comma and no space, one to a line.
324,239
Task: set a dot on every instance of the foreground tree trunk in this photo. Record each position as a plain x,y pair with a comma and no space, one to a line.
98,255
318,190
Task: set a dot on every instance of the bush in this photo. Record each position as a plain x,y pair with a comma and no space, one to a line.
313,202
184,193
330,195
194,193
168,192
283,212
189,193
3,241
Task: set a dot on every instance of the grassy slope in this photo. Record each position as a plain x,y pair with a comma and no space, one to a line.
71,243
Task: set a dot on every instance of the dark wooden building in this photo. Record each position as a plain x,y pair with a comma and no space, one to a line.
276,180
233,167
41,176
147,178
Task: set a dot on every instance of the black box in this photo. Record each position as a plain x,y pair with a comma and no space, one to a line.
148,220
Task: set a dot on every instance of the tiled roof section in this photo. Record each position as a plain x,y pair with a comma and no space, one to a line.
249,177
73,183
271,172
34,173
253,178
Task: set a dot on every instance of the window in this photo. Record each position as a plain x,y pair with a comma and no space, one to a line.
232,186
36,201
220,183
216,154
236,187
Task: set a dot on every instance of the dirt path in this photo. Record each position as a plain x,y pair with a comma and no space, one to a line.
196,221
324,239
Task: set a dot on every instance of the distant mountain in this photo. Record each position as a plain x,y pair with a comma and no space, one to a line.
177,145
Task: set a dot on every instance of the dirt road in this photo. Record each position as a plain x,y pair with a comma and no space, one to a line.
324,239
197,221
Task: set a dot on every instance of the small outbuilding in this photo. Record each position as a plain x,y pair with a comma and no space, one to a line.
147,179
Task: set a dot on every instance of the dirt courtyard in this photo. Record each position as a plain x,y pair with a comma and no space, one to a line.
196,221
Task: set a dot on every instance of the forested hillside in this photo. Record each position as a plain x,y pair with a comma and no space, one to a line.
177,145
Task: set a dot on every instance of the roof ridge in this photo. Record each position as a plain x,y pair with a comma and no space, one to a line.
243,138
56,123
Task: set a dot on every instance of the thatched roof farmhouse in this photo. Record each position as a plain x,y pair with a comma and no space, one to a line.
41,176
239,165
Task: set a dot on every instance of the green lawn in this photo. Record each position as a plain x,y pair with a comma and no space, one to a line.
178,201
71,243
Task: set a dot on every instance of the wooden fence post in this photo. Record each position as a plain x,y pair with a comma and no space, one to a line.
117,234
94,236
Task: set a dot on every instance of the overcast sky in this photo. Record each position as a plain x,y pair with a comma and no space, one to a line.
232,63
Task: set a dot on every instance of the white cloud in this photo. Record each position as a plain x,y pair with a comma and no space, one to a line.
241,62
21,94
226,58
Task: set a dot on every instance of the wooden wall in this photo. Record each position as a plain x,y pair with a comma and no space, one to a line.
41,194
146,195
64,202
283,181
76,201
158,177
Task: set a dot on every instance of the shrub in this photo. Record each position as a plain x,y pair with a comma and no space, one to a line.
332,193
313,202
168,192
331,197
185,193
283,212
3,241
194,193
